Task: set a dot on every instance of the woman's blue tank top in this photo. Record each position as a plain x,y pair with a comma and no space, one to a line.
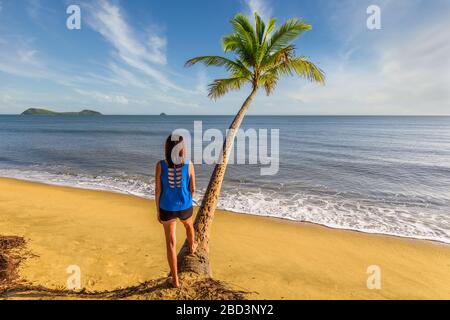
175,185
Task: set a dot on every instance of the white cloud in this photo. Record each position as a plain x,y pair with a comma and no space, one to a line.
33,7
202,82
27,56
144,54
109,21
404,70
19,58
401,69
104,97
135,65
6,98
260,6
410,74
17,100
40,12
124,77
417,69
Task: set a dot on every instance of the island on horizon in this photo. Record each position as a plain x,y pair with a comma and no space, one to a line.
44,112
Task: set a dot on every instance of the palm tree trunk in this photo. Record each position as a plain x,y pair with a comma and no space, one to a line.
199,263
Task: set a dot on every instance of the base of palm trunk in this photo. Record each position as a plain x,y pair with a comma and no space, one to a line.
197,263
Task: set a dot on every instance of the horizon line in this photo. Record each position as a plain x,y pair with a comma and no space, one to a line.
258,115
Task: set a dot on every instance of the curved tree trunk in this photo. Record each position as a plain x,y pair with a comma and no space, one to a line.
199,263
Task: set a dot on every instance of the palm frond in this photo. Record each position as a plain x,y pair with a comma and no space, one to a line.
269,81
231,42
288,32
262,48
240,46
260,28
297,65
281,56
307,69
243,26
248,44
221,86
233,66
270,27
262,55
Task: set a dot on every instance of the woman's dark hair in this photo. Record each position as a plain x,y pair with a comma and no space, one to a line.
173,141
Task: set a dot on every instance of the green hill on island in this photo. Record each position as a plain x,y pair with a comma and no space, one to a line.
44,112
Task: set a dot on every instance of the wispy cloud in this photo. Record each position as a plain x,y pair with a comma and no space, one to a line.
202,82
137,61
408,74
38,11
124,77
104,97
401,69
262,7
109,20
15,100
20,57
33,7
144,54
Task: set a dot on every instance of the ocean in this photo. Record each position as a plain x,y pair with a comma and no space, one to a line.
388,175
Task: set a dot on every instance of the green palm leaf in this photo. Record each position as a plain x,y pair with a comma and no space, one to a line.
236,67
221,86
305,68
263,54
260,28
288,32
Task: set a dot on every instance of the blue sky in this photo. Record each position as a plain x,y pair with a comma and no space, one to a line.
128,57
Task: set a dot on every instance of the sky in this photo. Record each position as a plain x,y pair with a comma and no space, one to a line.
128,57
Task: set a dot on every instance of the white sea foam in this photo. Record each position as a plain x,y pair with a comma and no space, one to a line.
331,210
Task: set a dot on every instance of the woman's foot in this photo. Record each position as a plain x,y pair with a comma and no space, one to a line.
175,282
193,247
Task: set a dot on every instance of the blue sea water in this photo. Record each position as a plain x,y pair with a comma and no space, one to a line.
386,175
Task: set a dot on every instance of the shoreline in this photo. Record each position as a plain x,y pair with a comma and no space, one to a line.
117,242
62,185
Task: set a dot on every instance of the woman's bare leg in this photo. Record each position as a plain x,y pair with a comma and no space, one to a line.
171,244
190,234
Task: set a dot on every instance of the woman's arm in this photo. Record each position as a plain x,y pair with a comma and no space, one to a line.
192,178
157,188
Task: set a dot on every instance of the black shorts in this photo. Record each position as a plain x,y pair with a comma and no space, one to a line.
171,215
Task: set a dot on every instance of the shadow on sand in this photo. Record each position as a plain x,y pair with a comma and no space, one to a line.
12,253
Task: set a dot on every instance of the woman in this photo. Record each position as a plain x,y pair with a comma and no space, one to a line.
174,190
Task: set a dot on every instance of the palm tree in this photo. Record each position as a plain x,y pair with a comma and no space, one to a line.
262,56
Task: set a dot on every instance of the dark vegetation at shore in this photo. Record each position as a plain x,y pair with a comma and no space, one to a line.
10,259
194,287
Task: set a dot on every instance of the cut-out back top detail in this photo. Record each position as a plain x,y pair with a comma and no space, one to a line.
175,183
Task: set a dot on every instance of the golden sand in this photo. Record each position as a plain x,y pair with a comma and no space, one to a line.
117,242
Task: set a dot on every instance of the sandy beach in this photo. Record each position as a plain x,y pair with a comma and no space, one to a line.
117,242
